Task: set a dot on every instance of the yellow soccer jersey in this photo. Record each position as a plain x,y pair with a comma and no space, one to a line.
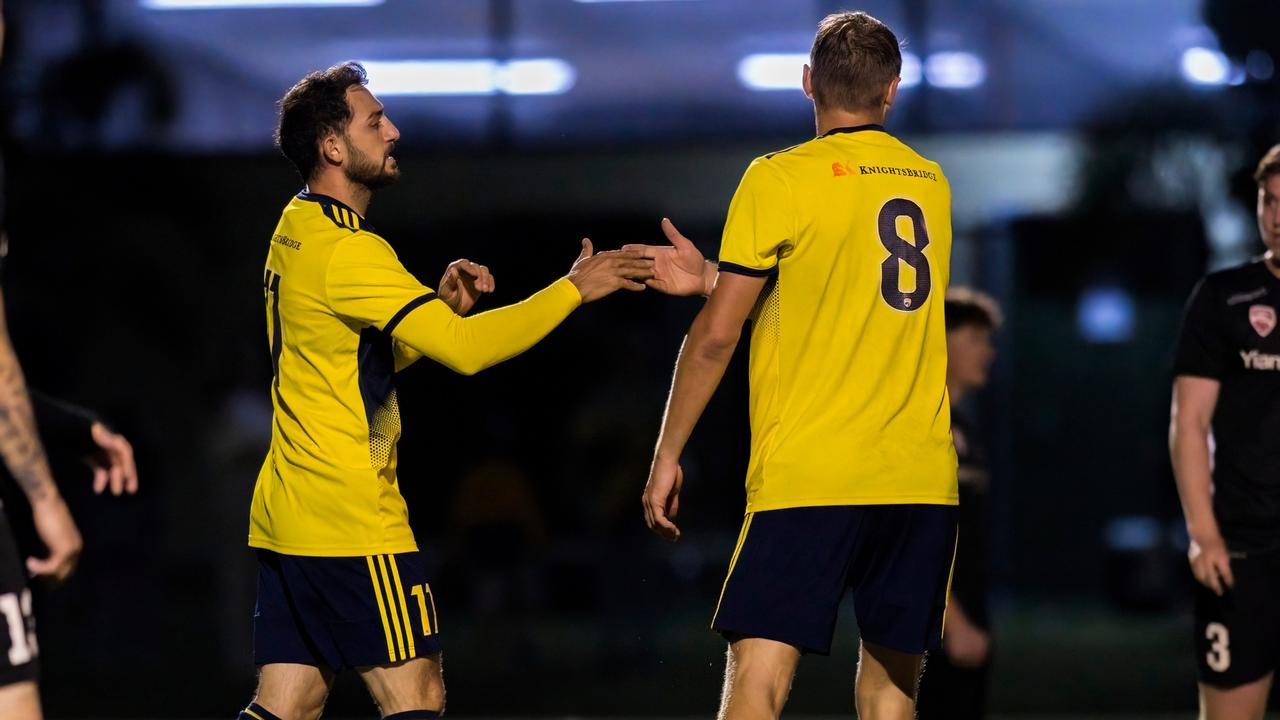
848,356
343,315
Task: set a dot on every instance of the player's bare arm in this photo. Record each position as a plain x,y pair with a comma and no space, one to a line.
707,348
680,268
25,458
1194,399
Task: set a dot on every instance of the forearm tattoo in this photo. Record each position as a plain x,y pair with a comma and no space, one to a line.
19,443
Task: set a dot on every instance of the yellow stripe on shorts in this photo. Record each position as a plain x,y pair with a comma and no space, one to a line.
946,601
404,606
742,539
382,610
391,605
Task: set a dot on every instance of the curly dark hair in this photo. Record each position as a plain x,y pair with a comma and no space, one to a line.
315,106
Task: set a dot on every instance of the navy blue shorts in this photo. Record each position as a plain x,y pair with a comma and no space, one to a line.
792,568
343,612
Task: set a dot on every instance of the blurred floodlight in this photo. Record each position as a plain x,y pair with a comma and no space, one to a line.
619,1
955,70
911,71
1105,314
546,76
541,76
1203,66
772,71
432,77
241,4
782,71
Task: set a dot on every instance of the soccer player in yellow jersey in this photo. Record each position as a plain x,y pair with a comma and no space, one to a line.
341,584
841,245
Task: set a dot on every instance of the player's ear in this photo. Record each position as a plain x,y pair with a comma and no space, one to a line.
892,93
331,148
806,81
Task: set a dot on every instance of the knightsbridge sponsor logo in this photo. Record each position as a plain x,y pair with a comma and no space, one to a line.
286,241
839,169
1246,296
1254,360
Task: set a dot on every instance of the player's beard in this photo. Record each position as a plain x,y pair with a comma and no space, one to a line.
364,170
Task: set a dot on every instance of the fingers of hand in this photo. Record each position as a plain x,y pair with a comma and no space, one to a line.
587,250
1224,570
100,478
645,251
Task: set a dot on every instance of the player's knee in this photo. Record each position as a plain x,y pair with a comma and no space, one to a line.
759,675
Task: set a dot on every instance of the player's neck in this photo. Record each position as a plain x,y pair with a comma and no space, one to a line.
353,195
828,120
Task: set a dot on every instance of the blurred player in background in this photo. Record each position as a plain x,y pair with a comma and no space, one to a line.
954,683
841,247
70,429
341,584
1224,437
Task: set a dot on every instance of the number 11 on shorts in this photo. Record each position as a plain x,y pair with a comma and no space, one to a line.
425,599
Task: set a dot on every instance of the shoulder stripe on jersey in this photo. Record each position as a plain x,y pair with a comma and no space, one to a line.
742,270
769,156
408,308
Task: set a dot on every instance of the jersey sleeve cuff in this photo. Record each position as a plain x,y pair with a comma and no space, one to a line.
748,271
565,289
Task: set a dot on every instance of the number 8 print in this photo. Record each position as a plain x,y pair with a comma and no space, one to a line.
901,251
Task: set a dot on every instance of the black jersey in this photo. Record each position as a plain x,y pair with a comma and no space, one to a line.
969,582
1229,334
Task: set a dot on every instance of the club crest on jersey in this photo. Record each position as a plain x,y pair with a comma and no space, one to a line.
1263,319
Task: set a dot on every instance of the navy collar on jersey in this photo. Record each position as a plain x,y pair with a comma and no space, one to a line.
856,128
319,198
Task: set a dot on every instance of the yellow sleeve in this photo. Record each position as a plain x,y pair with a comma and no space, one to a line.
366,284
471,344
761,223
404,355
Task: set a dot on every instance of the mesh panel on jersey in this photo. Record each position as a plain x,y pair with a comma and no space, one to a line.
384,431
769,318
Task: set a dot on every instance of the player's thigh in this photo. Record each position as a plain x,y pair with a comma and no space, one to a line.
900,572
292,690
1237,634
20,701
1242,702
416,684
788,575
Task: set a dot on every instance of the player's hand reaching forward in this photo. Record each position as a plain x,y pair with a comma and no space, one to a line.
463,284
1211,564
678,269
112,464
59,534
599,274
662,498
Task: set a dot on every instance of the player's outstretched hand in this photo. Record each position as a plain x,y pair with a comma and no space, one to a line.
59,534
678,269
112,464
662,498
599,274
1211,564
463,284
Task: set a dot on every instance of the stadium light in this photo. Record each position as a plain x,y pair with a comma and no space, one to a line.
251,4
782,71
1204,66
1106,314
541,76
955,70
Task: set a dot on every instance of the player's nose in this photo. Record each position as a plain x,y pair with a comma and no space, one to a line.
392,132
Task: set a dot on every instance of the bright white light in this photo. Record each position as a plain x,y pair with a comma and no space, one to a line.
1203,66
911,71
772,71
955,70
242,4
536,77
432,77
1105,314
543,76
616,1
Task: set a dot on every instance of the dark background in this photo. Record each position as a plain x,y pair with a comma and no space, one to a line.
1098,167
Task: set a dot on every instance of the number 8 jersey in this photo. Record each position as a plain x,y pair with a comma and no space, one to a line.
848,360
